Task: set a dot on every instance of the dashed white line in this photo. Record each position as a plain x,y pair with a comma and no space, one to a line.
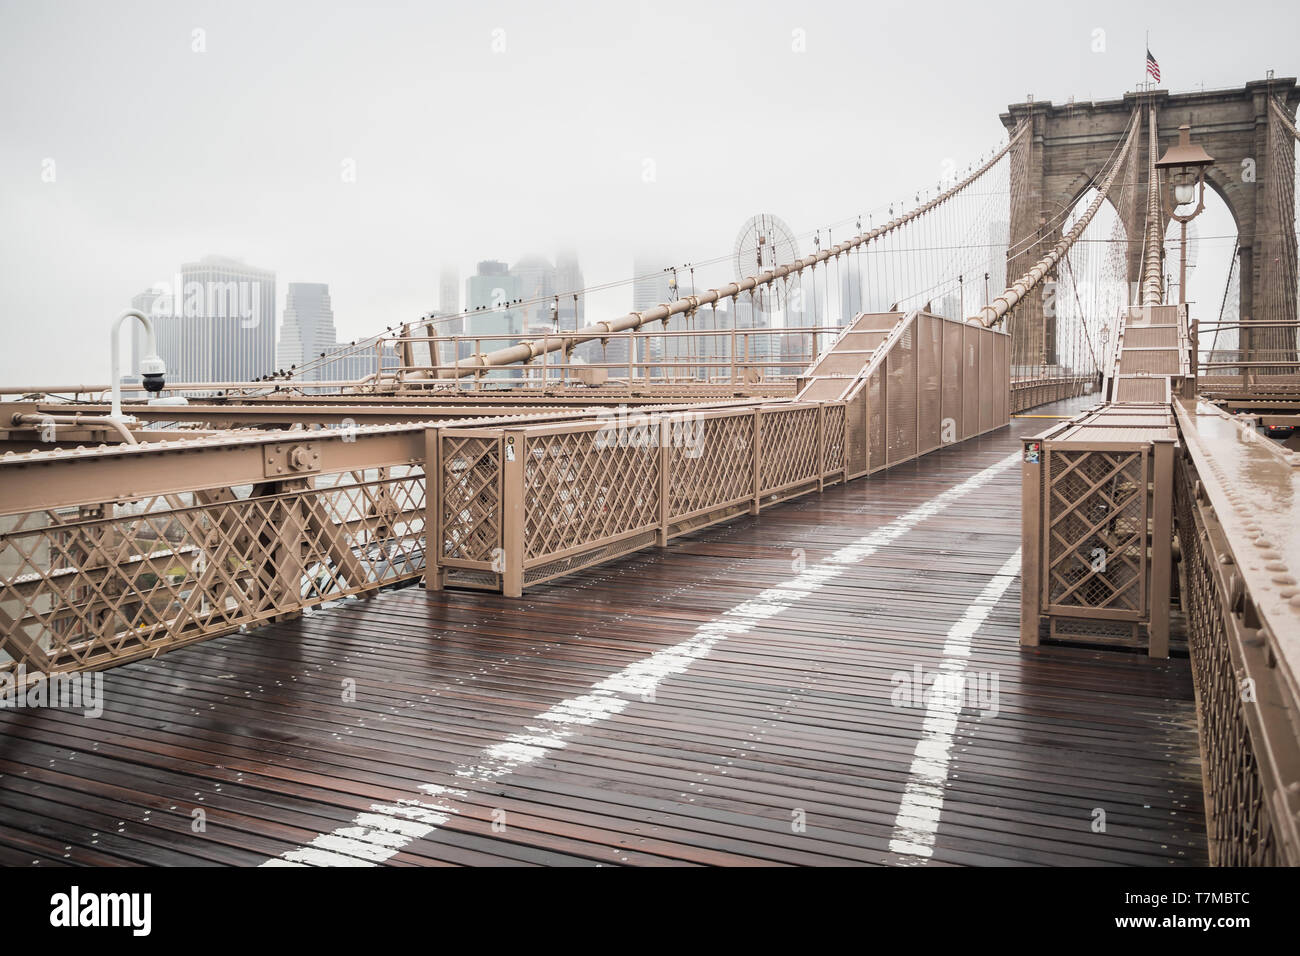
917,821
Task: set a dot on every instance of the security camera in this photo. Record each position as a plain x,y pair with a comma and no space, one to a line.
152,373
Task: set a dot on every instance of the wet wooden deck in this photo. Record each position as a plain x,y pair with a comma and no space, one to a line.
668,709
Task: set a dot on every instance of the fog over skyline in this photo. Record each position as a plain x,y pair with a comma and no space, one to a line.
499,130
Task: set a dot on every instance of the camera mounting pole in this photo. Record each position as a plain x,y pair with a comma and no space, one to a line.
151,369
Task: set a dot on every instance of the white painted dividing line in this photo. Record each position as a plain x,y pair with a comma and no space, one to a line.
383,831
917,821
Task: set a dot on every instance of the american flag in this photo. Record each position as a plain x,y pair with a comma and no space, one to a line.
1153,67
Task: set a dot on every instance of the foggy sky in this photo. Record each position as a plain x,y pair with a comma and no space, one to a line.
163,155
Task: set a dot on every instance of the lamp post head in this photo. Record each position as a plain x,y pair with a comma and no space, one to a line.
1186,163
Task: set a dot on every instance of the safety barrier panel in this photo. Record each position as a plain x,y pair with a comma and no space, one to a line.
1097,529
517,506
109,581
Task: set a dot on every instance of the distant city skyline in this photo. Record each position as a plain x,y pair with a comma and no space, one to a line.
372,151
193,306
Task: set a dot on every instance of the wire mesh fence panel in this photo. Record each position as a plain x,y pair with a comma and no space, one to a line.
100,584
715,470
1002,378
877,411
950,406
586,486
470,487
900,366
971,381
989,384
929,369
1240,821
788,447
834,437
1096,531
856,412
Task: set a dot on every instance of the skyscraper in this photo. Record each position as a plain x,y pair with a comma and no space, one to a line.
850,290
487,292
225,321
492,287
536,283
517,301
568,280
650,287
343,363
308,326
448,291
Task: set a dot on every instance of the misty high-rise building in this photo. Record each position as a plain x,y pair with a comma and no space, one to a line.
949,305
650,283
753,314
568,281
532,297
487,294
347,363
536,283
999,241
650,287
563,285
308,326
714,351
548,292
225,321
851,301
448,291
796,351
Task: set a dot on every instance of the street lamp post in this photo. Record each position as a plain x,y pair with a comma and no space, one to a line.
1186,164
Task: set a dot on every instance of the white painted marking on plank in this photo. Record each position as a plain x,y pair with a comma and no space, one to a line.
367,843
917,821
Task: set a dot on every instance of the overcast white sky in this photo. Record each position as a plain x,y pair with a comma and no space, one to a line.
163,154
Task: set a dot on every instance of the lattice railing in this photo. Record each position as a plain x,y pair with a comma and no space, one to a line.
588,485
101,583
1097,530
521,505
717,473
470,473
1239,818
1235,497
789,447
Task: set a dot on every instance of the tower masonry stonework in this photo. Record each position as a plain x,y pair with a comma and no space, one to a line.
1069,144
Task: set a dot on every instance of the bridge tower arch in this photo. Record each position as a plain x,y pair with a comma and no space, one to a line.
1068,143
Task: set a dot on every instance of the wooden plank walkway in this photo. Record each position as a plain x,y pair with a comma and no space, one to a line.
727,701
